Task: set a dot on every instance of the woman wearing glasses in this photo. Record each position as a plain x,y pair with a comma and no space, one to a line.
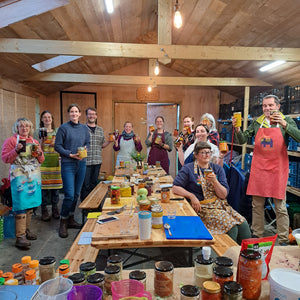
207,192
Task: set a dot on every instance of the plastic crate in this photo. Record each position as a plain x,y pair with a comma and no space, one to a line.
248,159
293,168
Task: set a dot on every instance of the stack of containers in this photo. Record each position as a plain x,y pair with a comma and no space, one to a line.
293,174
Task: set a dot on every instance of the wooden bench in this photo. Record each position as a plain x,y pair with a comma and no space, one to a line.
79,254
222,243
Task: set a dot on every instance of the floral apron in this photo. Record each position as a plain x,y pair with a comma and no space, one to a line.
216,214
25,180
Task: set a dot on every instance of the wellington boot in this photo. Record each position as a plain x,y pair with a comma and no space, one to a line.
21,241
63,228
45,215
73,224
29,235
55,212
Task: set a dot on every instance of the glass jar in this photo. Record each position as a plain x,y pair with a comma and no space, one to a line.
25,260
203,270
115,195
77,279
111,273
233,291
64,270
144,205
221,275
116,260
157,216
96,279
140,276
17,270
34,265
249,273
30,277
148,187
163,279
165,195
47,268
211,291
223,261
189,292
87,268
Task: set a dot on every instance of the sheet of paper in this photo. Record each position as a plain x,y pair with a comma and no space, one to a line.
94,215
85,238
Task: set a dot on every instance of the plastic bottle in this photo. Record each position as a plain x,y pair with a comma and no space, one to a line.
30,277
34,265
25,263
8,275
64,270
17,270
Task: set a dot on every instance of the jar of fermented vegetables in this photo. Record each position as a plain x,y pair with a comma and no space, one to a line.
249,273
96,279
140,276
189,292
77,279
221,275
87,268
211,291
111,273
203,270
223,261
163,279
116,259
233,291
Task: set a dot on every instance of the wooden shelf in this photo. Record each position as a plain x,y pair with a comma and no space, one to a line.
294,153
293,190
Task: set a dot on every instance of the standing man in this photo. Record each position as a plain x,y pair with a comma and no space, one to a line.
270,164
94,158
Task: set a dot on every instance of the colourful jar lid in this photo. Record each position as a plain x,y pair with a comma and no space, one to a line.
26,259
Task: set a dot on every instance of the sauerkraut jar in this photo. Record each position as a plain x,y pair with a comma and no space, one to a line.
163,279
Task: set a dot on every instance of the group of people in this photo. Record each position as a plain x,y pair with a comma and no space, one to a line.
50,161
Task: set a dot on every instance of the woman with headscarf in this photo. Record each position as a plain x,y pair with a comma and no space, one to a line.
24,153
209,121
126,143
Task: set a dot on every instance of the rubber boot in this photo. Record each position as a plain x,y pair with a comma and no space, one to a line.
55,212
63,228
29,235
73,224
45,215
21,240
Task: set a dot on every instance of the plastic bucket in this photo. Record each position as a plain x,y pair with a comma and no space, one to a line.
284,284
128,287
84,292
55,289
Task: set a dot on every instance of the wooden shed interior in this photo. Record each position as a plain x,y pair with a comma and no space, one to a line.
213,58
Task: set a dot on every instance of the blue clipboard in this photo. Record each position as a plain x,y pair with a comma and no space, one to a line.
187,228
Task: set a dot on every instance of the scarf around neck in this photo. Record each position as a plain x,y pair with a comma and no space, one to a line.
127,136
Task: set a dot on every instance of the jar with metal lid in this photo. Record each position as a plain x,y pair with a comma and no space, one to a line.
140,276
211,291
116,259
47,268
163,279
249,273
115,194
30,277
203,270
77,279
144,205
189,292
17,270
233,291
157,216
221,275
12,281
96,279
87,268
25,260
34,265
111,273
165,195
223,261
64,270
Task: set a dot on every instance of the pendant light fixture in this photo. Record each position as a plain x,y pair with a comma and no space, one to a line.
109,6
177,16
156,69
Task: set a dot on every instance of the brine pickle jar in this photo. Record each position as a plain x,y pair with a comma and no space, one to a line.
116,260
111,273
140,276
189,292
87,268
233,291
211,291
249,273
77,279
96,279
221,275
223,261
47,268
163,279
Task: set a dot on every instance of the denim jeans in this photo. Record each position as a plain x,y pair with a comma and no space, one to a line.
72,174
54,196
90,180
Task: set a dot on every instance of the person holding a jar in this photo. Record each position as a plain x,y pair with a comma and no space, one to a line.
50,168
71,136
209,121
207,192
126,143
24,154
160,143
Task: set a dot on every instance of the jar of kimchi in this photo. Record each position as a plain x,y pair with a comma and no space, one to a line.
249,273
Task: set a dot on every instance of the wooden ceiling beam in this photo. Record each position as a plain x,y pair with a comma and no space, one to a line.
30,46
146,80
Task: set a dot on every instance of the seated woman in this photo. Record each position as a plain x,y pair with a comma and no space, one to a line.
207,195
209,121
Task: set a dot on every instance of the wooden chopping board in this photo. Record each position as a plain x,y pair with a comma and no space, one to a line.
123,201
112,230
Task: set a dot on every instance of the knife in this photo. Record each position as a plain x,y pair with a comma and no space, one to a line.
178,199
117,211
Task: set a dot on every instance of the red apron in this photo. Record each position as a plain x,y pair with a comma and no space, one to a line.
270,165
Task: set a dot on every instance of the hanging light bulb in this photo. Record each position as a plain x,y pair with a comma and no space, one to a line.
156,70
177,16
149,88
